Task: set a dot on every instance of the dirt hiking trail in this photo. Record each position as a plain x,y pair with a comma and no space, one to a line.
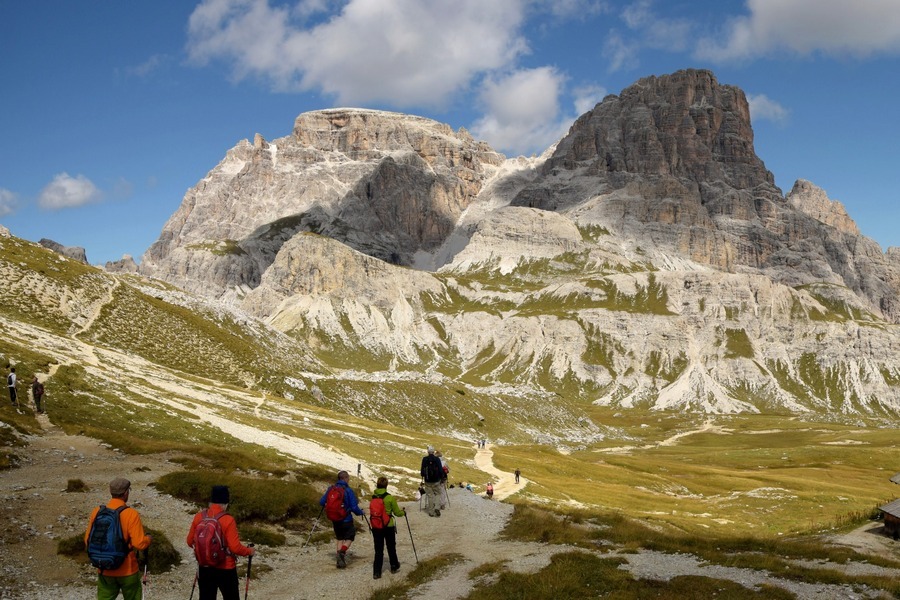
36,512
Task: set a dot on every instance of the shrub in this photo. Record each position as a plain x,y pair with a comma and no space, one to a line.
72,547
269,500
161,555
76,485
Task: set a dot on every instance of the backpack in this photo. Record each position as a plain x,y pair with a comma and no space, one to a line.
107,547
209,541
334,504
434,471
40,389
378,514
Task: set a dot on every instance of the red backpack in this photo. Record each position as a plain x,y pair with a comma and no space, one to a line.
334,504
378,514
209,541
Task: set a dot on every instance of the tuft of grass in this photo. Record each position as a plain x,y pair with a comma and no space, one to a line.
73,547
161,555
268,500
76,485
583,575
261,536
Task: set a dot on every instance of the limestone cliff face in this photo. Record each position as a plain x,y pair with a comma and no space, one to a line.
646,259
386,184
670,162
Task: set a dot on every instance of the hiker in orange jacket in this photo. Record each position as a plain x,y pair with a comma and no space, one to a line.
224,576
125,577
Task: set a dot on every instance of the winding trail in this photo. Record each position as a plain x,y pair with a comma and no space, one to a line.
504,483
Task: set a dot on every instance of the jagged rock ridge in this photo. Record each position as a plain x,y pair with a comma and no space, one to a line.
647,258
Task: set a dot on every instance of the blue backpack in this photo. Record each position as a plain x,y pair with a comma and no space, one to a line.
107,547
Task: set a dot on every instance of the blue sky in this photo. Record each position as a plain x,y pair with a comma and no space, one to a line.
111,110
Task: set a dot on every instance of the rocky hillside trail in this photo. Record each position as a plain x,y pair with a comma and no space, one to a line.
36,512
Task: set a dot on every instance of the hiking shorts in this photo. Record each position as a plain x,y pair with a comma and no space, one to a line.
344,530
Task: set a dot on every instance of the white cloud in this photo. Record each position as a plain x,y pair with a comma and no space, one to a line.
67,192
620,53
656,32
522,112
763,107
8,201
401,52
835,27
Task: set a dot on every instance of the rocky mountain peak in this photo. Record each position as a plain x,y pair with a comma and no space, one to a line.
685,125
812,200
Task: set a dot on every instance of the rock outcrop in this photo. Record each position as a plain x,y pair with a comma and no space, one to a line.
74,252
386,184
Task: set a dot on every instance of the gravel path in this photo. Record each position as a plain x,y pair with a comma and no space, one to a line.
35,512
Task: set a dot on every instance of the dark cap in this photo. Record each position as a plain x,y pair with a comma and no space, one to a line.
220,495
119,486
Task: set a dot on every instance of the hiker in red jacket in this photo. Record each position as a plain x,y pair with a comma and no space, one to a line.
222,576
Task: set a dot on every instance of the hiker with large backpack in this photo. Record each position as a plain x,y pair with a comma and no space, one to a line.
113,536
214,537
340,504
432,472
382,510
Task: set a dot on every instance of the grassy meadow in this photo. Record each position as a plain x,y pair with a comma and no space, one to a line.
766,475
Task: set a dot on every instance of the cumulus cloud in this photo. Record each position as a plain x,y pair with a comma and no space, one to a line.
66,191
763,107
522,110
401,52
8,202
835,27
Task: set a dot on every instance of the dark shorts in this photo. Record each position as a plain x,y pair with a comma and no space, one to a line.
344,530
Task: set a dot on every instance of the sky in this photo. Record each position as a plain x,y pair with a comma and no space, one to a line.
110,111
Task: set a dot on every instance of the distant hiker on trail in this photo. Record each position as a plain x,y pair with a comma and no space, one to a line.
37,392
432,475
518,472
382,510
118,534
490,490
214,537
445,469
340,505
11,385
359,469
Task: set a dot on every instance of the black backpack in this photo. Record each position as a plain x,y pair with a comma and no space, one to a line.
107,547
434,470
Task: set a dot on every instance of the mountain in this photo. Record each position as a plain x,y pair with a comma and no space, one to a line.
646,259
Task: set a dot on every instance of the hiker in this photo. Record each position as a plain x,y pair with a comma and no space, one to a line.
384,533
126,577
37,392
432,475
518,472
340,505
445,469
11,385
217,573
490,490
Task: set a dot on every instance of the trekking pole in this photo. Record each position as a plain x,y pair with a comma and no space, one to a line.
411,538
369,525
313,528
145,581
196,576
249,566
447,493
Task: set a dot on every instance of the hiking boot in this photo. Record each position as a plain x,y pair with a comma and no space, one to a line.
437,513
376,575
395,569
341,560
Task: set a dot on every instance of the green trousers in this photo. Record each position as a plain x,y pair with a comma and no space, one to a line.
130,585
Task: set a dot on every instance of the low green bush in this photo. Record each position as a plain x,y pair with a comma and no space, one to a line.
268,500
